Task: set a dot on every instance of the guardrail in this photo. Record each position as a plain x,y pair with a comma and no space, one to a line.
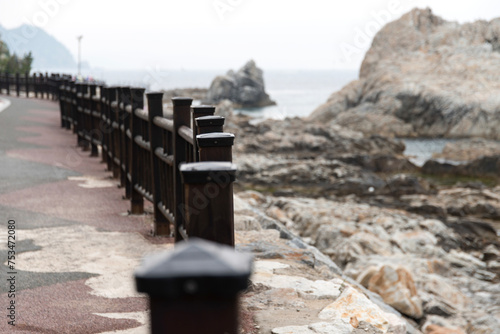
153,156
183,165
36,85
150,154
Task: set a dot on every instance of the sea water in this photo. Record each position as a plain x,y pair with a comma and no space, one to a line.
296,93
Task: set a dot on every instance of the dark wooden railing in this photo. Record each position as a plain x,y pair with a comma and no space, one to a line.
183,165
146,151
36,85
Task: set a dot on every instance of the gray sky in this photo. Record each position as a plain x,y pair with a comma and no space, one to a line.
222,34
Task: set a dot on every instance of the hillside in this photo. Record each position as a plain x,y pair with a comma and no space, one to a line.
48,52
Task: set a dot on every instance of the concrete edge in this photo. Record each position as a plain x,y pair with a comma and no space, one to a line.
4,104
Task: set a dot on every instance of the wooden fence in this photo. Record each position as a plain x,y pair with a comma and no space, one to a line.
182,164
37,85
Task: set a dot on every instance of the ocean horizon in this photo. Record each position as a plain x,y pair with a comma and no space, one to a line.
296,92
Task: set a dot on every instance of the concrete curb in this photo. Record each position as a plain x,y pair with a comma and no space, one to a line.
4,104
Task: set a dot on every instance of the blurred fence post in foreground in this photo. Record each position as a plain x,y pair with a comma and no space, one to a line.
195,288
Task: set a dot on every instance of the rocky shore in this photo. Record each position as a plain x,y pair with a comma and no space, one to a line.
362,232
424,77
349,235
386,270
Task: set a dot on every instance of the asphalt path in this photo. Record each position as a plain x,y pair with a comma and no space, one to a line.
75,245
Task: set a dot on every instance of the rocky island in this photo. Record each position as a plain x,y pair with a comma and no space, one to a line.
245,88
349,235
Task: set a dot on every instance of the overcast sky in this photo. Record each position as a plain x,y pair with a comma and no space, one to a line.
222,34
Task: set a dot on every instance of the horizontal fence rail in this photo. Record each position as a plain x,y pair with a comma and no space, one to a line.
182,164
148,153
37,85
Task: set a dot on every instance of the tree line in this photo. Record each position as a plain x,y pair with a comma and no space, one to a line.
12,63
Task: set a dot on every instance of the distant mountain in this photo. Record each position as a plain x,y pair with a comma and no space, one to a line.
48,53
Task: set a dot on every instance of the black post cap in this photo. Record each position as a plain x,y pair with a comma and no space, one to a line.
210,121
194,268
214,139
181,101
208,171
203,110
155,95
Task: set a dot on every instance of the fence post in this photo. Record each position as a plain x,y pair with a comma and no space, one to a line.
67,93
215,146
182,116
199,111
18,85
209,212
207,124
46,81
94,133
113,99
62,103
35,84
194,288
27,82
71,96
155,109
136,199
102,123
84,144
7,80
42,85
123,101
78,113
126,142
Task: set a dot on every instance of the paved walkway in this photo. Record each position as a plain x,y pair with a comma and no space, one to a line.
76,247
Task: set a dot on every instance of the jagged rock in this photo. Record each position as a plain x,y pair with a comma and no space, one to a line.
428,210
491,253
225,109
245,88
381,163
468,150
404,184
291,137
424,76
397,288
488,166
415,242
465,204
436,329
353,307
246,223
452,264
439,308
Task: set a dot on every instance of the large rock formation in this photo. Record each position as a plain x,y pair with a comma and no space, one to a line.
424,76
443,274
244,88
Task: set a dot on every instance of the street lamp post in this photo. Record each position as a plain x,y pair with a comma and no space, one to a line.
79,54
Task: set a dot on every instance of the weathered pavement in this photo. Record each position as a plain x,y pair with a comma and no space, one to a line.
76,247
